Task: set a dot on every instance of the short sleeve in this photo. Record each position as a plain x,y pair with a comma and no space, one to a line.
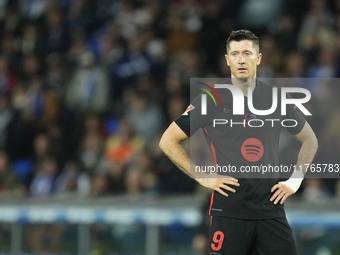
294,113
192,119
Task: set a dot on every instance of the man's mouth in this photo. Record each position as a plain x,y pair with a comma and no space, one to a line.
242,69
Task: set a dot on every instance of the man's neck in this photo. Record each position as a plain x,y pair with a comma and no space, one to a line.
244,84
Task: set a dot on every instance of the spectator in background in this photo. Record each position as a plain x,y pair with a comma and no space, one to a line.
223,70
89,87
318,15
44,181
20,100
6,117
337,191
41,149
145,160
55,134
93,125
55,37
99,185
147,15
73,181
176,106
10,51
91,154
29,40
32,9
295,66
253,17
20,134
9,182
146,118
110,50
179,39
116,175
271,57
31,67
173,84
7,78
211,31
136,62
147,86
316,30
330,138
80,14
133,185
43,107
12,19
172,180
285,33
315,191
190,66
150,181
325,67
123,145
154,46
126,18
78,46
55,76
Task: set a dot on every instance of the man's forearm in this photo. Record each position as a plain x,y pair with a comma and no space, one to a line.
180,158
306,154
170,145
305,158
176,154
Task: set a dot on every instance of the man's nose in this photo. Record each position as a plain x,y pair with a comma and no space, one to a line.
241,59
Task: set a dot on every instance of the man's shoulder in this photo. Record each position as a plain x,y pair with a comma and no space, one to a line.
264,83
225,94
266,86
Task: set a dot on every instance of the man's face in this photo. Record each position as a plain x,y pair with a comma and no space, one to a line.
243,59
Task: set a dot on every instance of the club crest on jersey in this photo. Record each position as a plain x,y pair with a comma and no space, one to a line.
190,107
226,111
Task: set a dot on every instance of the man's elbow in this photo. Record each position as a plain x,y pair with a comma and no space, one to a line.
171,138
161,143
164,142
167,142
313,142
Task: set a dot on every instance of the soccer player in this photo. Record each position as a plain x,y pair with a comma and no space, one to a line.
247,214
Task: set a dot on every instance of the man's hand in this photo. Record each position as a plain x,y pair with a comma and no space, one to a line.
282,192
218,184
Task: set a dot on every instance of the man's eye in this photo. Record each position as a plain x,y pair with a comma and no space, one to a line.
247,54
233,54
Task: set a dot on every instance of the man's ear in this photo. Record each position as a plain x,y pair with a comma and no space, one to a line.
259,57
226,58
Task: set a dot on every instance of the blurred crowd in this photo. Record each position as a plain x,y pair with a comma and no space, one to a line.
87,87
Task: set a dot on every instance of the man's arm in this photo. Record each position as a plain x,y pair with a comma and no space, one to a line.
306,155
170,145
